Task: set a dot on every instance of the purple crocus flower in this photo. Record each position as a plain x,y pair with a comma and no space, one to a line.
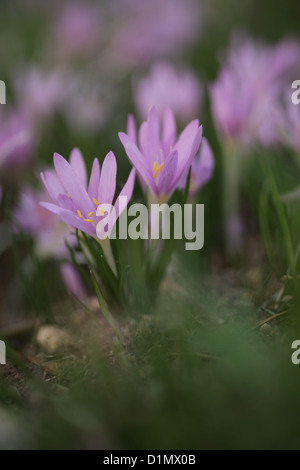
49,234
77,202
161,159
16,140
202,168
77,28
150,30
168,86
249,85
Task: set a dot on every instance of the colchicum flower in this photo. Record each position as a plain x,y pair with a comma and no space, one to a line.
166,85
161,159
249,85
49,234
79,203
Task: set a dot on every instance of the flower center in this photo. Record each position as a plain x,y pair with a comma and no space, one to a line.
156,169
100,212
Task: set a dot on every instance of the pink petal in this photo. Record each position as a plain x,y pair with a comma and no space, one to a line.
72,280
131,129
52,184
73,185
70,218
137,160
149,139
127,192
187,147
169,129
107,185
153,132
78,165
167,173
94,179
66,203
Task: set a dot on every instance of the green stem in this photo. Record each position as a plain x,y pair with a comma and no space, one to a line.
106,247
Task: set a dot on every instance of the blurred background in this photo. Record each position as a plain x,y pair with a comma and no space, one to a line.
210,365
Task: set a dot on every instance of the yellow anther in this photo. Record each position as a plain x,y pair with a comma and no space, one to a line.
69,196
156,168
88,220
90,214
79,213
101,211
96,202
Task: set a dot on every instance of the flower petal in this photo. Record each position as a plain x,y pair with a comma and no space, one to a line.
72,280
73,185
167,174
137,160
149,139
187,147
153,139
126,192
78,164
107,186
94,180
52,184
66,203
203,166
169,129
70,218
131,129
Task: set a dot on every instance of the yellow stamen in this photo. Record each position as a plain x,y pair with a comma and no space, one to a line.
88,220
156,168
69,196
90,214
96,202
79,213
101,211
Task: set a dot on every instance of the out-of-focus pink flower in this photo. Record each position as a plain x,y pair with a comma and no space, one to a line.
77,28
246,93
148,30
47,230
49,234
72,280
87,102
39,93
202,168
77,202
16,140
166,85
160,158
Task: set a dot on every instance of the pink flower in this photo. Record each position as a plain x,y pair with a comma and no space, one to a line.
49,234
246,93
160,158
16,140
77,202
148,30
166,85
38,92
77,28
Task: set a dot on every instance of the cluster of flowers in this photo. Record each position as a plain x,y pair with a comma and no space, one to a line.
250,102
